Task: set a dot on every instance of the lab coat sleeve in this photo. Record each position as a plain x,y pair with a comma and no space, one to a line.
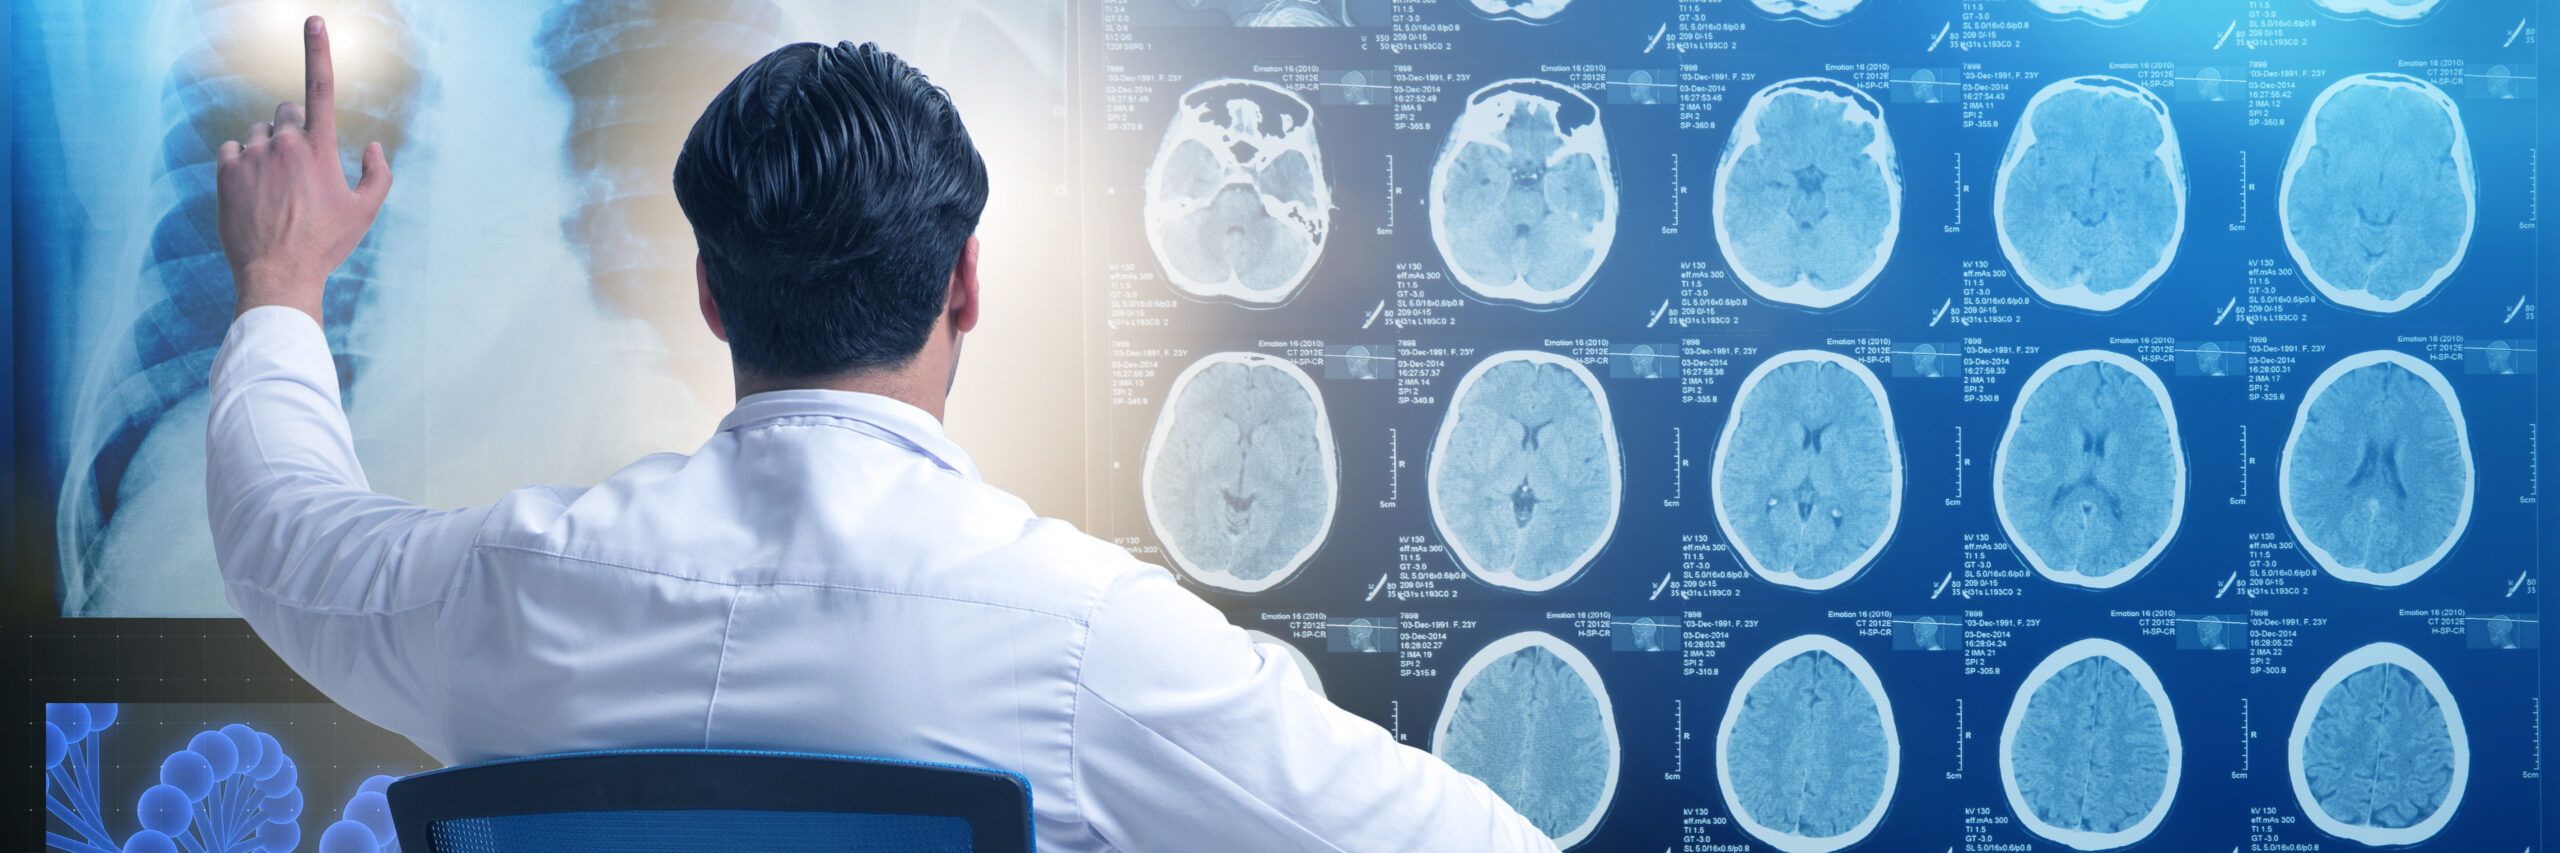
345,584
1191,737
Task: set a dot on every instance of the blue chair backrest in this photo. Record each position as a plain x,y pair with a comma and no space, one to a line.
688,800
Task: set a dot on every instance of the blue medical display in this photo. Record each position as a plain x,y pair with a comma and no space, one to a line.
1946,425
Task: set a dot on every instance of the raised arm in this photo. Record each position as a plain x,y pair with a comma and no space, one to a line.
344,583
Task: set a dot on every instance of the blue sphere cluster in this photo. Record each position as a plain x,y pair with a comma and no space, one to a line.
232,789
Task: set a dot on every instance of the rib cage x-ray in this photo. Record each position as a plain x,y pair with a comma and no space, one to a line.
137,416
522,312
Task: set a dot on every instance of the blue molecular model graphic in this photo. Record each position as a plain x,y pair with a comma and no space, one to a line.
231,790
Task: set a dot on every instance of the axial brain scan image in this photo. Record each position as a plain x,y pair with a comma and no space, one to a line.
2378,753
1237,203
1525,479
2377,478
1523,202
1808,193
2101,11
2090,479
2090,754
1808,475
2091,197
1528,716
1806,755
2386,11
1240,474
2378,199
1817,11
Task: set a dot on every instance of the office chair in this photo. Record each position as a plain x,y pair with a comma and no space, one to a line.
687,800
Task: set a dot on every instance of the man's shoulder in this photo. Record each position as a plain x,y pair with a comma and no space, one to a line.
951,538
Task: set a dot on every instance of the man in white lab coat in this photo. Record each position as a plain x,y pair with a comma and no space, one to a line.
826,572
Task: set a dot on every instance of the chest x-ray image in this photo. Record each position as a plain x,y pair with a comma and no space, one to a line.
523,311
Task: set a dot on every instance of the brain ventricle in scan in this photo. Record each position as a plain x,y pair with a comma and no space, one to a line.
2378,200
2090,753
2091,197
2100,11
1524,478
2386,11
2377,479
1237,202
1817,11
1808,193
1523,202
2089,480
1524,11
1240,474
1808,474
1529,716
2378,753
1807,755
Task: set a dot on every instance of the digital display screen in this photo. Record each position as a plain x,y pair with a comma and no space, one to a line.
1790,424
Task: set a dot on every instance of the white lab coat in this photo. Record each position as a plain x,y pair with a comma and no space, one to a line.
827,573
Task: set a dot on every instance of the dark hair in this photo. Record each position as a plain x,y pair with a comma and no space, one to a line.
830,190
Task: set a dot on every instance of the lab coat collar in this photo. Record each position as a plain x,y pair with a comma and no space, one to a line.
887,418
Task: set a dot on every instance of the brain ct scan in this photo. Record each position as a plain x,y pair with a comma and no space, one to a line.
2090,754
1808,475
1817,11
2091,198
2378,754
2101,11
1525,479
1523,201
1808,193
1807,756
1306,668
2386,11
2377,478
2090,479
1529,716
2378,199
1524,11
1240,474
1237,202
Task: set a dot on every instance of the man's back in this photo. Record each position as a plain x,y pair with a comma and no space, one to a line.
826,573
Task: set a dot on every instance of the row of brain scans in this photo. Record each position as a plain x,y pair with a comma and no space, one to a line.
1334,13
2376,204
1241,480
1807,755
1337,13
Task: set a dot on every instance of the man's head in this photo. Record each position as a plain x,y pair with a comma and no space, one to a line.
833,191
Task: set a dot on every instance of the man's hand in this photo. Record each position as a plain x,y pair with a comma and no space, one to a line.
287,217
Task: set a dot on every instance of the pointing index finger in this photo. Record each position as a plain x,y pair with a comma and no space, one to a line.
319,84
